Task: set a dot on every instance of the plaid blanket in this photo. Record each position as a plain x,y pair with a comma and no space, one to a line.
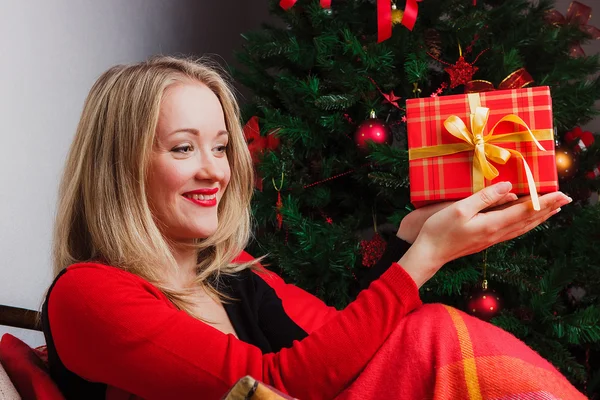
438,352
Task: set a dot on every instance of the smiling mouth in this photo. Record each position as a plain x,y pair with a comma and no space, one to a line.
204,200
196,196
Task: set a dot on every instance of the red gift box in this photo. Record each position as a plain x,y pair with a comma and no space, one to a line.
435,178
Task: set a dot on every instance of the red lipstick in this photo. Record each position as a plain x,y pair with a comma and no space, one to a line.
203,191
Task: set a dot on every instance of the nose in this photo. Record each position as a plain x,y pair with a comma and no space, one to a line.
210,167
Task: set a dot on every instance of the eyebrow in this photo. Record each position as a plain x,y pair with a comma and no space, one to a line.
197,132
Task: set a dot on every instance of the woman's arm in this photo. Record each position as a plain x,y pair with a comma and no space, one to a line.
474,224
308,311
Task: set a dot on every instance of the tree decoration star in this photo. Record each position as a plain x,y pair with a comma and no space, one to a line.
462,71
391,98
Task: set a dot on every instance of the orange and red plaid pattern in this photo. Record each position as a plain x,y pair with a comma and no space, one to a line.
485,373
449,177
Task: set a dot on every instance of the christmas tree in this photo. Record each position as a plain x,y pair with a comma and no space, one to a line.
326,199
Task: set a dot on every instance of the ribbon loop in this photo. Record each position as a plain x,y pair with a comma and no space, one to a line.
578,14
516,80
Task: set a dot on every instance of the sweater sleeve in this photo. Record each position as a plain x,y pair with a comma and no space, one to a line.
306,310
113,327
310,312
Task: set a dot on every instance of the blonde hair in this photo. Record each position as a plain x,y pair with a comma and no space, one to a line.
103,212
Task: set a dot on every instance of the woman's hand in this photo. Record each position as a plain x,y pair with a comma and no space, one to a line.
411,224
462,228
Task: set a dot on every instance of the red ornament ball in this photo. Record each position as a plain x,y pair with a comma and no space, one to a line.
484,304
374,130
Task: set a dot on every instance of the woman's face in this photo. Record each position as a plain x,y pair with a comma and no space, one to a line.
188,170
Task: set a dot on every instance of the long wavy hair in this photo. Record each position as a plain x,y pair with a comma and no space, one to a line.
103,212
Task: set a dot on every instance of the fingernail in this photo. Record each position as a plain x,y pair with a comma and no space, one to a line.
503,187
557,210
570,199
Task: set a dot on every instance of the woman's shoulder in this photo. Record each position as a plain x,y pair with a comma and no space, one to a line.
97,270
98,296
97,279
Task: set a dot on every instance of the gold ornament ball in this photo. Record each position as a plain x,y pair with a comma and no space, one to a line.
565,162
397,16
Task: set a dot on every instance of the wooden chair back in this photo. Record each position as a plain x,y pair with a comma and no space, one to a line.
20,318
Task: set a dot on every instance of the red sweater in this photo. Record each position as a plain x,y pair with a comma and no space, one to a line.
113,327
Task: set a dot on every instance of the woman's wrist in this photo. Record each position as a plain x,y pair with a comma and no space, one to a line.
419,262
404,234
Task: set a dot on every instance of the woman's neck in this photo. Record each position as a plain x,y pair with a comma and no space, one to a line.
187,259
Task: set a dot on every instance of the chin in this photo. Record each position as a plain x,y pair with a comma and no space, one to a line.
204,234
200,227
192,234
203,231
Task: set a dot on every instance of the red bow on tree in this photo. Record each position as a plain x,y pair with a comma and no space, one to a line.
384,17
594,173
257,144
578,14
579,139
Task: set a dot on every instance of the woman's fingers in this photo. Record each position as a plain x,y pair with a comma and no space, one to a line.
484,198
508,198
514,230
463,229
507,202
517,214
511,234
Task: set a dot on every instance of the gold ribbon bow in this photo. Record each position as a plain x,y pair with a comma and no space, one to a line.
483,147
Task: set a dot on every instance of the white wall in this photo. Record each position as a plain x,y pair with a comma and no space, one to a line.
51,53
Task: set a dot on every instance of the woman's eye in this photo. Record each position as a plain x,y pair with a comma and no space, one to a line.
221,149
186,148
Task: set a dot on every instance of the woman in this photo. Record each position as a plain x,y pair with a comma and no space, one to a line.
154,296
